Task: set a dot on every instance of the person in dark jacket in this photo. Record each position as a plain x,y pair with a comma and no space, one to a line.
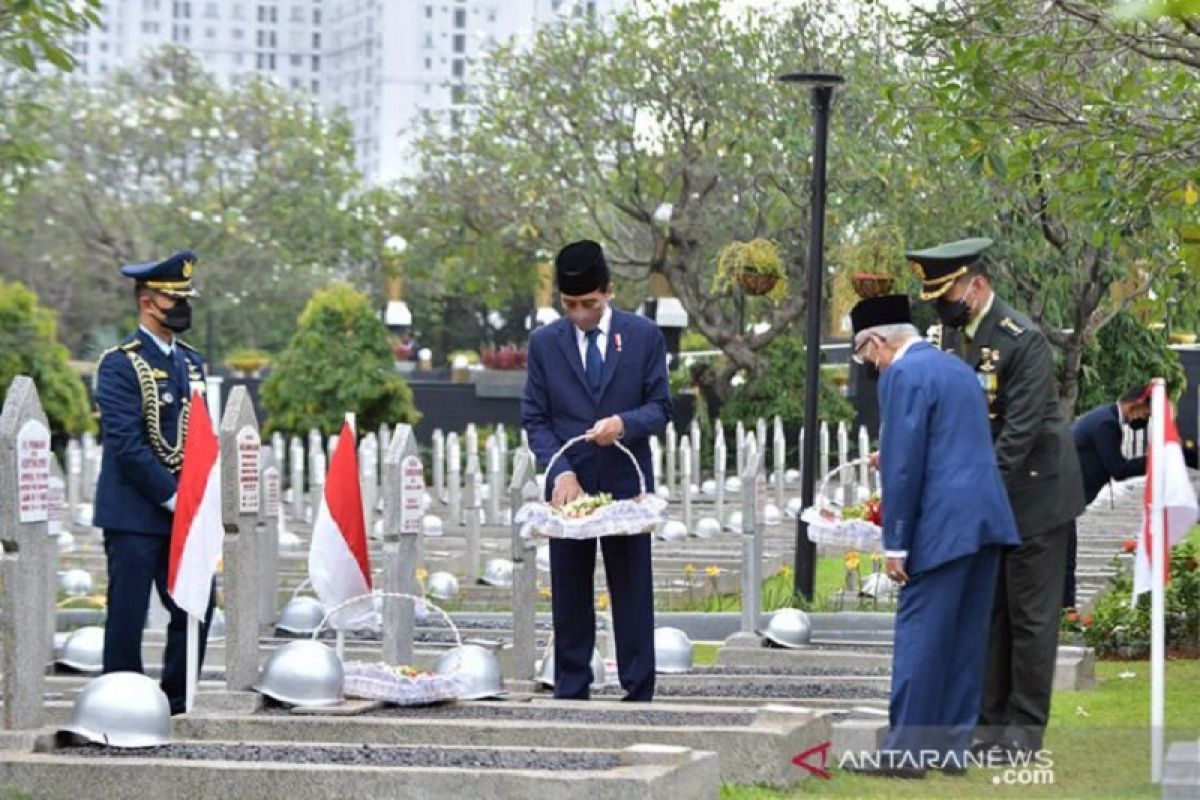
1014,366
1098,439
144,392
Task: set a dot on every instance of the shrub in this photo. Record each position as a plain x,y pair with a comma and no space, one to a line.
29,346
339,360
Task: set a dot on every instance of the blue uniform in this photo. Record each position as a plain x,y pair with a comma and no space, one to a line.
142,395
945,505
559,404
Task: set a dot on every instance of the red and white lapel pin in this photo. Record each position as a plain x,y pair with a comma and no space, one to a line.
617,341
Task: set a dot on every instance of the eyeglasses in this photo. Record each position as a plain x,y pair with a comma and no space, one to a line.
857,356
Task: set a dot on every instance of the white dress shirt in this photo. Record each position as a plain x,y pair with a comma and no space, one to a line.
601,341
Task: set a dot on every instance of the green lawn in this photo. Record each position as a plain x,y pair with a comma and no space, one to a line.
1099,742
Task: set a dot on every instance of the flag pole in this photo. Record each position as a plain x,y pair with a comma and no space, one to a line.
193,662
339,635
1159,550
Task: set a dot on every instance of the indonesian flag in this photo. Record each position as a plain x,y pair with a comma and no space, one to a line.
1179,506
338,563
197,532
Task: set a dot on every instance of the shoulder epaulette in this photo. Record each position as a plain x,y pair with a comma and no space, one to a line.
185,345
1011,327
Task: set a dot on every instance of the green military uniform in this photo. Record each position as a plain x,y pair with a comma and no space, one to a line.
1038,462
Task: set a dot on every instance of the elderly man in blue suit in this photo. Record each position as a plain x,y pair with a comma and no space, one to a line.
946,517
143,390
599,372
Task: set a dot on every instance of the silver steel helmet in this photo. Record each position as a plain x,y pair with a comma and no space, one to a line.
545,673
789,627
432,525
84,649
302,673
301,615
793,508
673,531
733,484
709,488
122,709
498,572
76,583
708,527
771,514
791,476
663,492
66,542
60,641
216,628
877,584
478,671
734,522
289,543
672,650
543,558
442,586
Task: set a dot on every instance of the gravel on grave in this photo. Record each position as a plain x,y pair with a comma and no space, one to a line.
829,691
583,716
365,755
524,712
797,671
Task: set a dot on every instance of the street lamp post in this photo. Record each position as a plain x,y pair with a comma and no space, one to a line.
822,83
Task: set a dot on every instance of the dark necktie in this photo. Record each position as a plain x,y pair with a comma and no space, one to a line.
593,363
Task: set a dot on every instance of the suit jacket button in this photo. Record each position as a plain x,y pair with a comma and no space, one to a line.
1033,473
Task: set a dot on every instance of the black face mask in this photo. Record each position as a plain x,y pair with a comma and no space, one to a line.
1139,424
953,313
178,318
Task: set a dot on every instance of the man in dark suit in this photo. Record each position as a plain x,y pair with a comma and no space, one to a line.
1097,435
143,391
946,522
601,372
1014,365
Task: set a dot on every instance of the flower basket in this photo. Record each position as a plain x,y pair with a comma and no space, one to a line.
755,284
402,686
615,518
827,526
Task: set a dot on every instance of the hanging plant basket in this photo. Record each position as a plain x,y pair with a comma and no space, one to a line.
872,284
756,284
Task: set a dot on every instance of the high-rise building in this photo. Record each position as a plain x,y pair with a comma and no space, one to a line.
232,38
384,61
387,63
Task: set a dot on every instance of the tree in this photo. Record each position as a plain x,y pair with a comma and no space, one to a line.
664,134
1080,148
339,360
31,33
29,346
160,158
31,30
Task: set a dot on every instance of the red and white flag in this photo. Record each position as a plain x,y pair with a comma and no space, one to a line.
1179,506
338,563
197,532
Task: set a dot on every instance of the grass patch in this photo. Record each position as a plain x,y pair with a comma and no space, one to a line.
1099,741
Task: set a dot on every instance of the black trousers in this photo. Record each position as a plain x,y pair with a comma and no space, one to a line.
1023,640
136,562
1072,563
631,592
